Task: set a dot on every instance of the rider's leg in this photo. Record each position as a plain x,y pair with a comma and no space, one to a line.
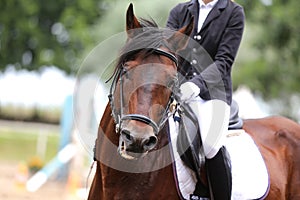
213,118
219,175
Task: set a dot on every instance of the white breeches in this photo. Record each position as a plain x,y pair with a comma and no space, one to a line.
213,119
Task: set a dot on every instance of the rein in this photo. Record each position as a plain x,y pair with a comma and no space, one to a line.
119,118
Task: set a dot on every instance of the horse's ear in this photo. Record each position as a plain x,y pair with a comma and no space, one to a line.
180,38
131,22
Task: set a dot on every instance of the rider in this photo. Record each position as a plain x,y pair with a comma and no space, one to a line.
218,29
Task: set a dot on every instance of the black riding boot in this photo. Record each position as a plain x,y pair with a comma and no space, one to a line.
219,175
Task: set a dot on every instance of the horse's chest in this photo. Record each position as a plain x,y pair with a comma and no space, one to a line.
141,186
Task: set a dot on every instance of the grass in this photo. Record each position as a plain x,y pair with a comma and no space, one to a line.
22,146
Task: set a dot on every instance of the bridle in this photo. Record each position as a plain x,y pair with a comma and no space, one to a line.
120,117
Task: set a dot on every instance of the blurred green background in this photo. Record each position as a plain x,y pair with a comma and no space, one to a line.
35,34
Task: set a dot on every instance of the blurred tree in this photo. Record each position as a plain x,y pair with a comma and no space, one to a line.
273,29
36,32
114,21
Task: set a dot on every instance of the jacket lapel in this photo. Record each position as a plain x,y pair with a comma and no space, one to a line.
215,12
194,11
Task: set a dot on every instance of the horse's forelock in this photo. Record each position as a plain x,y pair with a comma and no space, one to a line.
148,38
148,23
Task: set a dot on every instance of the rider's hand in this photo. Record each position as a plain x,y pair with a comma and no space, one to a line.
188,91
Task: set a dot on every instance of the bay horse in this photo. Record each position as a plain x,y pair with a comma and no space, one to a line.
131,152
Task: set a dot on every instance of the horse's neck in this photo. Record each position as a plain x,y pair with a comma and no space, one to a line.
107,126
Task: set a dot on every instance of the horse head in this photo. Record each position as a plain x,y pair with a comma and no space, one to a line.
144,79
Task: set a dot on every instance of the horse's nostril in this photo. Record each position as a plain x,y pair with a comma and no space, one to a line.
150,142
126,135
138,144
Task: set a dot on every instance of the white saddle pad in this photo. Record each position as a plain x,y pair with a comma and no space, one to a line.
250,178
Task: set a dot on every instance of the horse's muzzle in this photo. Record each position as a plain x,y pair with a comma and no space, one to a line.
133,147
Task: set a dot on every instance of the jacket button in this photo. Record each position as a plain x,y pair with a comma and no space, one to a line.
194,62
197,37
194,50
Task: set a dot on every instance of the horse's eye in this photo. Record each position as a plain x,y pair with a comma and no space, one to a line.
126,74
126,71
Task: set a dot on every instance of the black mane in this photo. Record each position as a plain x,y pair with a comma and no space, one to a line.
148,23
